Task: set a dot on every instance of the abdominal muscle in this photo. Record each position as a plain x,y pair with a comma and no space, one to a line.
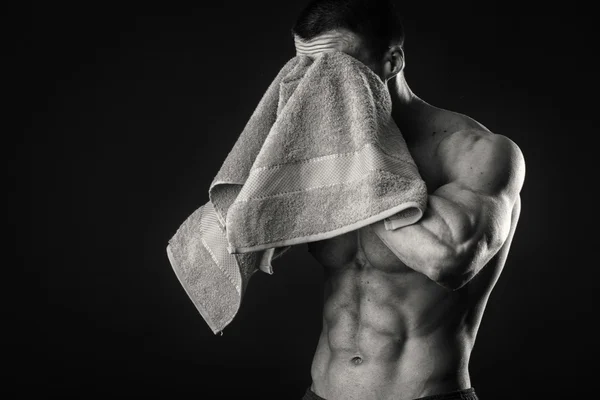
388,331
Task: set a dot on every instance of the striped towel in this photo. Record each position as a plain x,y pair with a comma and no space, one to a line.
319,157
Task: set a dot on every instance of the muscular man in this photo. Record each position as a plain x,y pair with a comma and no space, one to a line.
402,308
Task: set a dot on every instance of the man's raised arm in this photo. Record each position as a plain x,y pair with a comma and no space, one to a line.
468,218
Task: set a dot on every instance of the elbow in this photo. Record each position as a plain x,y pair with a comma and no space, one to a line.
452,269
453,281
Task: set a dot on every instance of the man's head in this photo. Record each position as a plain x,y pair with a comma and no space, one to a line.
369,30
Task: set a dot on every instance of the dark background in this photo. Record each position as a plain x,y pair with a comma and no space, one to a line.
123,115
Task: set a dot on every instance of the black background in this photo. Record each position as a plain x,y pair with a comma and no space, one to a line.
123,115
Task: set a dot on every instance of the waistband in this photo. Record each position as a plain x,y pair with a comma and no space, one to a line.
464,394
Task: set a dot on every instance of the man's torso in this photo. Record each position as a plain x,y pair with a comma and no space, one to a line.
388,331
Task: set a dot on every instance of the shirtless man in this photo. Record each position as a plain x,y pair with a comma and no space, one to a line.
402,308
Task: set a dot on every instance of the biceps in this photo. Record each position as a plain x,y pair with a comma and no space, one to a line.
479,223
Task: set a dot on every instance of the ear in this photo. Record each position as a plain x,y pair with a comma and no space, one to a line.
393,62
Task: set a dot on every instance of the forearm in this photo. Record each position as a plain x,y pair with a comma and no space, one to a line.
437,246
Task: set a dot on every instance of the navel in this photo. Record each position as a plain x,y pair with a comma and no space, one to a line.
356,360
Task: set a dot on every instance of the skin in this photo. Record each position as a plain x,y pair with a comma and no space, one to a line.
402,308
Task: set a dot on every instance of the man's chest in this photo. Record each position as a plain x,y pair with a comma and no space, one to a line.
358,249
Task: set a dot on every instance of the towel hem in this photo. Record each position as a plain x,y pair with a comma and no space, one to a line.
187,290
329,234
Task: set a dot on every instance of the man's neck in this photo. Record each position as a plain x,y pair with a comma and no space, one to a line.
407,108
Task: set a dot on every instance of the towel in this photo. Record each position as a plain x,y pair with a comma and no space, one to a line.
319,157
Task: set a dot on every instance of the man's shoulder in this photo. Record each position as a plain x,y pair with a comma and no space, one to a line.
463,134
457,144
449,122
465,145
493,160
477,142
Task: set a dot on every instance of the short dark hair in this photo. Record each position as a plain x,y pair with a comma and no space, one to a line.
375,21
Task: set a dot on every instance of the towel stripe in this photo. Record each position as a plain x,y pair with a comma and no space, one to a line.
215,241
321,172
